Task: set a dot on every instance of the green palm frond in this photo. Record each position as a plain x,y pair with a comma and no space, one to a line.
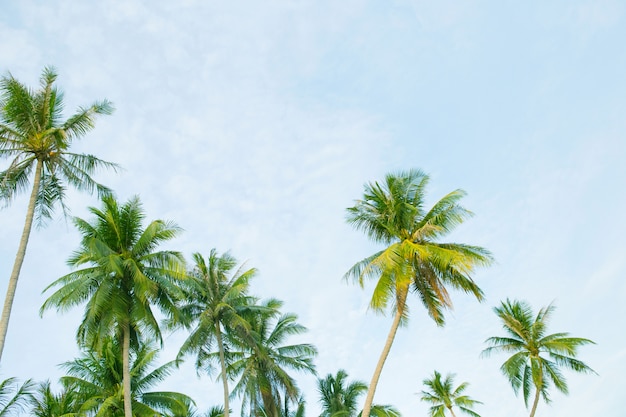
15,397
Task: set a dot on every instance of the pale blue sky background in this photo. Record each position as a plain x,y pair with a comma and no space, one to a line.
253,125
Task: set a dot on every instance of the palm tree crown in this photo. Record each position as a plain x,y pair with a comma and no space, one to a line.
97,381
338,398
536,356
261,360
37,142
393,213
443,396
46,403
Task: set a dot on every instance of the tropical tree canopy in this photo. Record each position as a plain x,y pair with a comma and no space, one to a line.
262,360
340,398
45,403
98,382
125,275
37,142
393,214
443,396
415,260
536,356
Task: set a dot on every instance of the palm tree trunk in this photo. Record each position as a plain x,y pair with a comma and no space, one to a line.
532,411
367,407
19,258
451,412
128,409
220,345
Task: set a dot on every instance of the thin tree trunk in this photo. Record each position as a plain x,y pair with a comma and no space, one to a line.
220,345
451,412
128,408
19,258
532,411
367,407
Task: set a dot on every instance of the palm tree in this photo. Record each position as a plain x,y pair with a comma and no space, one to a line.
38,142
216,295
124,277
536,357
443,396
337,398
97,380
14,398
46,403
340,400
393,214
261,360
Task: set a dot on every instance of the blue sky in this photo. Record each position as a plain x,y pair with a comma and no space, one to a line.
254,127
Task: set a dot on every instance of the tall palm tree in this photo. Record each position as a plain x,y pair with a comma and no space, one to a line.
443,396
96,378
536,356
37,141
124,277
340,400
393,214
15,397
216,295
261,360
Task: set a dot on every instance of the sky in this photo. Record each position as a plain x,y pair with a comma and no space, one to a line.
254,125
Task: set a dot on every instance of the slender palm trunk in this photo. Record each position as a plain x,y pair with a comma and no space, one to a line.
19,258
451,412
220,346
128,408
367,407
532,411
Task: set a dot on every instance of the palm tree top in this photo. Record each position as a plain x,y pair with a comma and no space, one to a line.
394,210
443,396
536,356
33,133
393,213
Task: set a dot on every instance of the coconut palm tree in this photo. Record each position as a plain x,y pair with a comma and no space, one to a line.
15,397
125,276
37,141
216,295
340,400
96,378
536,356
443,396
261,360
414,260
